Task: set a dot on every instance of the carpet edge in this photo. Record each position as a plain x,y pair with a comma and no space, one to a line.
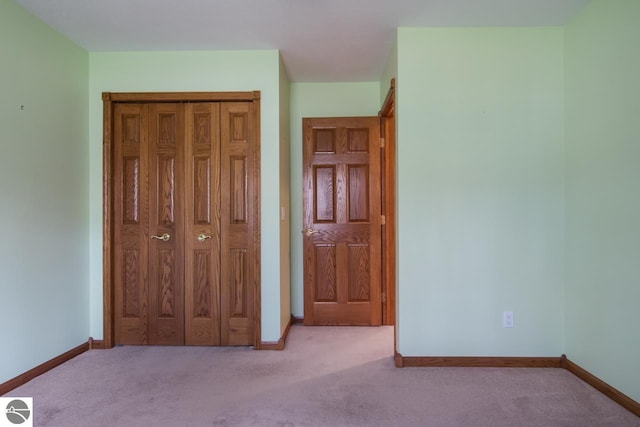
604,388
561,362
25,377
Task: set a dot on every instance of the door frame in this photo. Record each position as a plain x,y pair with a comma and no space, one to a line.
388,188
109,99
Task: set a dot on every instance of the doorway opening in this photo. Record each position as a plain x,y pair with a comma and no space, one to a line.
349,218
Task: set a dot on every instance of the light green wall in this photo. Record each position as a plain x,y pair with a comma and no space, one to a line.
194,71
285,214
603,192
390,71
480,191
484,224
43,193
318,100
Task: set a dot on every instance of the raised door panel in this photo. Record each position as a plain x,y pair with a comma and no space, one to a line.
324,186
237,166
341,221
202,228
166,198
131,220
325,273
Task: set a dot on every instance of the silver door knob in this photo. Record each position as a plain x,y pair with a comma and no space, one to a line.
309,232
202,237
165,237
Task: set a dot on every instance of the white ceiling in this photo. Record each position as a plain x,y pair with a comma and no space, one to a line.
320,40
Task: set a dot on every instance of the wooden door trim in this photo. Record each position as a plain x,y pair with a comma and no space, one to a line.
388,105
109,99
108,329
254,210
386,115
181,96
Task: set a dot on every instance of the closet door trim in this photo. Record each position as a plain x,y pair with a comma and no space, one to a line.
140,97
109,100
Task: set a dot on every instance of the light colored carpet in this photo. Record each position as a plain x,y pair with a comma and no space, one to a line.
327,376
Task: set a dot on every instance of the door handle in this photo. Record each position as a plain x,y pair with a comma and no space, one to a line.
309,232
202,237
165,237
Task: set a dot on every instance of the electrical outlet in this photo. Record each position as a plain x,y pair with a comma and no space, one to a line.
507,319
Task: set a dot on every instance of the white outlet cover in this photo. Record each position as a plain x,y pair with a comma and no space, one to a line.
507,319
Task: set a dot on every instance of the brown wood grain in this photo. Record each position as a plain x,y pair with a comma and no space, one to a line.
131,302
341,199
202,259
237,187
324,203
96,344
172,183
359,274
254,222
388,162
358,193
181,96
324,265
107,221
165,184
480,362
130,223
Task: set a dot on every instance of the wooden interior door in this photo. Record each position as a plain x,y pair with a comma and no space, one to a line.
342,220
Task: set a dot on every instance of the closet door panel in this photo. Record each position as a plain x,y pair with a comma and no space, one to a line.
166,228
236,300
202,229
131,221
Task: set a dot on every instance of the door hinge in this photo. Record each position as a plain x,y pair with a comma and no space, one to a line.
384,297
381,142
383,219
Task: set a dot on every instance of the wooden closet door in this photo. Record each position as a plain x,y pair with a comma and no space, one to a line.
131,223
236,211
185,240
202,229
148,229
166,218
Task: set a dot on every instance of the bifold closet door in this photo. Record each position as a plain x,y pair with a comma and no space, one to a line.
183,209
149,223
237,209
202,230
